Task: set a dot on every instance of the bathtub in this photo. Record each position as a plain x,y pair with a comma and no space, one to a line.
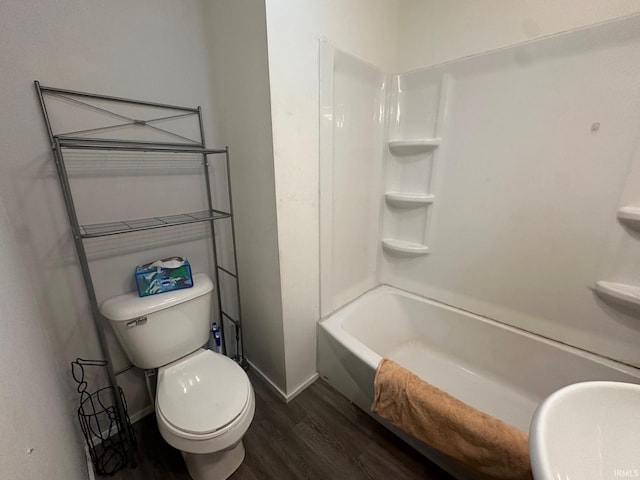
498,369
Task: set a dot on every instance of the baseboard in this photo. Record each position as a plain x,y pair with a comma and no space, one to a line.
140,414
272,385
301,388
284,396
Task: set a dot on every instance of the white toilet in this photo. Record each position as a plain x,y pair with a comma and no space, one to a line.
204,402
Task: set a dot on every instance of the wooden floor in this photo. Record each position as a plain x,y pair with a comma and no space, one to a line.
319,435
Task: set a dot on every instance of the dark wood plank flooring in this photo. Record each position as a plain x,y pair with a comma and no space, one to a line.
319,435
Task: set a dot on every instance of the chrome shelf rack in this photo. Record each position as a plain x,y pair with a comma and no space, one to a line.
83,140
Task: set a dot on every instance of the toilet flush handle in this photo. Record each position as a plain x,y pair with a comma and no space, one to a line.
136,322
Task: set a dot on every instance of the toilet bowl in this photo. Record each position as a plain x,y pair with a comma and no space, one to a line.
204,406
204,400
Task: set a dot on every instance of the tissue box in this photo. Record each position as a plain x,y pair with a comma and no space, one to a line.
163,276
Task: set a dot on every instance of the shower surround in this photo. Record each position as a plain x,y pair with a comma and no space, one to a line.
483,195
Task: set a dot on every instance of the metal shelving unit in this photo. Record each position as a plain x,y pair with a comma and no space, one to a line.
83,140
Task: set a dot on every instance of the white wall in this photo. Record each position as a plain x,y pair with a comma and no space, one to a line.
38,439
239,70
436,31
149,50
367,30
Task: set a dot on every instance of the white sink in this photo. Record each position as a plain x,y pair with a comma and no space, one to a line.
587,431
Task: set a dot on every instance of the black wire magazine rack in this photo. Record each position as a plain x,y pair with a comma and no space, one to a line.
105,430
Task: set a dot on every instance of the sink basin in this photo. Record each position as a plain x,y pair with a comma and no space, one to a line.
587,431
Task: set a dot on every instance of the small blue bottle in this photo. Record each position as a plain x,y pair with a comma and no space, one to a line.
215,332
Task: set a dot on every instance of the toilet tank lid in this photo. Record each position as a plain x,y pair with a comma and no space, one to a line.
130,305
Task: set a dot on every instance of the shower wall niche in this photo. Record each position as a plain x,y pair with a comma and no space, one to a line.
382,139
415,143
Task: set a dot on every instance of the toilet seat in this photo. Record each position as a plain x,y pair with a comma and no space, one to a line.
202,395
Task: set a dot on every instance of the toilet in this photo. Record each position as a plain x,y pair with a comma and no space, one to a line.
204,400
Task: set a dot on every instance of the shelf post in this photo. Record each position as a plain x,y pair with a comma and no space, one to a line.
205,162
238,324
86,274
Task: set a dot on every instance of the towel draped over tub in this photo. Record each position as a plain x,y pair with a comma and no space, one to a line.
483,443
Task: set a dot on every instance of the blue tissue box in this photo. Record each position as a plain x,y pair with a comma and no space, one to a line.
163,276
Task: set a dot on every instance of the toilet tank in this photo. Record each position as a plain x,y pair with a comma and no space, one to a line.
158,329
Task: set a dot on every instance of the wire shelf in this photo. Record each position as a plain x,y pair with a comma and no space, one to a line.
84,143
114,228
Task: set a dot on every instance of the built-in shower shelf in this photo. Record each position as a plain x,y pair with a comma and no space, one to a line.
630,216
415,145
404,247
621,292
408,199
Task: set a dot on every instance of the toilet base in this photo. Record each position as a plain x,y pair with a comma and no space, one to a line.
214,466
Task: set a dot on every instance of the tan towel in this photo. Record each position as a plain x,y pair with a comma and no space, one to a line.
481,442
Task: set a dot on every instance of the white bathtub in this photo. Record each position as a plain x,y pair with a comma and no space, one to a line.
498,369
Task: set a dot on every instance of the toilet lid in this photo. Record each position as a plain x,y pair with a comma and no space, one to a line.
203,392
